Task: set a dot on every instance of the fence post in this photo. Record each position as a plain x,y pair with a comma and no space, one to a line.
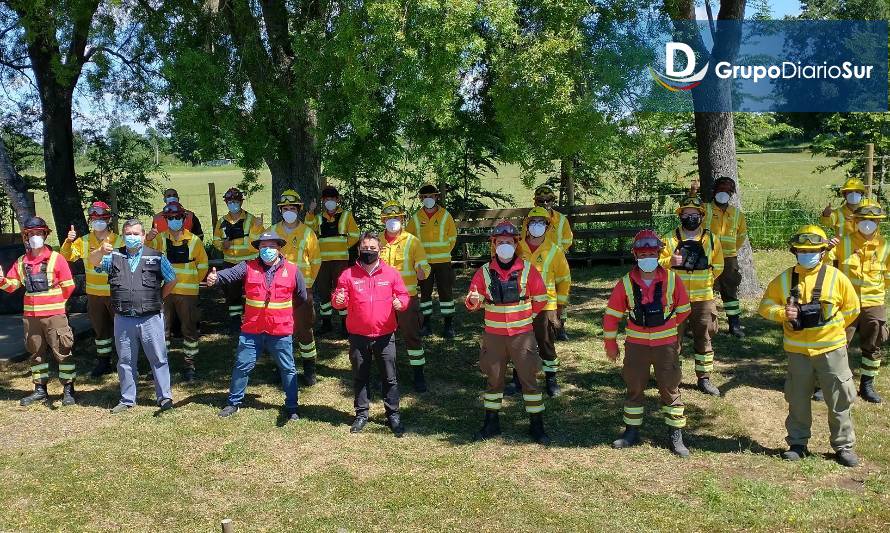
211,188
869,166
112,195
227,526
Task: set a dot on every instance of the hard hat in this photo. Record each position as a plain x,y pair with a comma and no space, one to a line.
538,212
173,210
544,194
289,197
647,241
233,195
428,188
99,210
504,228
724,179
809,238
853,184
391,209
330,192
693,202
35,223
869,210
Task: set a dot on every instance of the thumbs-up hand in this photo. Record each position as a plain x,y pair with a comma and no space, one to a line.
150,236
1,273
396,303
827,211
312,205
212,277
72,234
340,297
676,259
107,247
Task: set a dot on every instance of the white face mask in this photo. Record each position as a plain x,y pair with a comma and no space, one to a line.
867,227
99,225
35,241
722,197
537,229
429,203
505,251
330,205
648,264
393,225
853,198
289,216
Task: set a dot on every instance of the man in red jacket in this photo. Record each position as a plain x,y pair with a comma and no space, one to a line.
372,292
512,292
48,285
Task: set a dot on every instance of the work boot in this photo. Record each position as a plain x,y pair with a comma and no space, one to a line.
188,375
394,421
795,453
818,396
847,458
675,438
166,404
227,411
513,387
291,415
419,379
425,330
38,395
561,334
358,424
536,429
705,386
325,327
491,427
552,386
344,334
448,327
630,437
867,390
309,378
735,326
103,366
120,408
68,394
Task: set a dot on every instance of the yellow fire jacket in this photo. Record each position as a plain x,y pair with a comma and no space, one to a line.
302,249
241,249
699,283
840,307
550,261
406,254
337,233
80,249
727,224
189,274
840,221
437,232
866,262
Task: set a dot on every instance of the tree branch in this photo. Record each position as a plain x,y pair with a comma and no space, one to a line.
14,186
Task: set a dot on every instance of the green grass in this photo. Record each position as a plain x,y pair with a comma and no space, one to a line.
81,469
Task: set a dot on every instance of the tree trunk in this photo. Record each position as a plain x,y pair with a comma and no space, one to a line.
567,181
14,186
58,159
296,164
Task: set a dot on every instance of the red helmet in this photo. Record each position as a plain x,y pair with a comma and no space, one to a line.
99,210
35,224
505,228
173,210
647,241
233,195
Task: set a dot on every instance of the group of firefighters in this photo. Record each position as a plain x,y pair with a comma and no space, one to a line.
143,286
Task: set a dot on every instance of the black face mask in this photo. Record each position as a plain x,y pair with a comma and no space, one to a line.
368,257
690,222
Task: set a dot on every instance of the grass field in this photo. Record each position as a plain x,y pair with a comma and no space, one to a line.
82,469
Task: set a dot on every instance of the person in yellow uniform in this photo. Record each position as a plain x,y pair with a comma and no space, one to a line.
404,252
696,255
727,222
301,248
435,227
550,260
186,254
337,232
815,303
840,220
864,257
232,236
99,310
559,230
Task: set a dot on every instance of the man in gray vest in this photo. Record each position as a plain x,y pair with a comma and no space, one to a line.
140,278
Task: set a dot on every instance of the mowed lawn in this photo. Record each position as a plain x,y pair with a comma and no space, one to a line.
80,468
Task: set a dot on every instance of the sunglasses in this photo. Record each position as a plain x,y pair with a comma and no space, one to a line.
648,243
807,238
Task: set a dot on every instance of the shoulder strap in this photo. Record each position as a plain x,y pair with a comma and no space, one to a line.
817,291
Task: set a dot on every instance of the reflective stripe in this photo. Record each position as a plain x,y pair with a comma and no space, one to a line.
269,305
501,325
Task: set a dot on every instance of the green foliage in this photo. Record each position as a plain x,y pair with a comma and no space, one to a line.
845,136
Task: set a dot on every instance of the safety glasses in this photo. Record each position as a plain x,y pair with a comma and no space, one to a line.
692,202
648,243
392,210
870,211
289,199
807,238
500,231
97,211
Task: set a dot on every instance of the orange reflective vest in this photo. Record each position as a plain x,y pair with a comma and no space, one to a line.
269,309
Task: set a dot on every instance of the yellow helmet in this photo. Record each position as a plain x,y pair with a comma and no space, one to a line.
809,237
868,209
693,202
289,197
538,212
392,209
853,184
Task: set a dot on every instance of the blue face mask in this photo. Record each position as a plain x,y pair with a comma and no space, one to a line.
133,242
234,207
648,264
268,254
809,259
175,224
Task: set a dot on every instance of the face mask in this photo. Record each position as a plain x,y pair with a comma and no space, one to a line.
268,254
133,241
289,216
648,264
99,225
809,259
35,241
368,257
537,229
330,205
722,198
429,203
175,224
690,222
393,225
171,199
867,227
853,198
234,207
505,251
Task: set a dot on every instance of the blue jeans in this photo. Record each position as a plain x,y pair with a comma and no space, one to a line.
249,347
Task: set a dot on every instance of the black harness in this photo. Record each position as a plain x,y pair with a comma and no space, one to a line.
809,315
38,282
693,253
178,254
649,315
233,230
331,228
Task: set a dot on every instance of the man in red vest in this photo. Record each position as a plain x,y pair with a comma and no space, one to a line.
272,287
190,221
512,292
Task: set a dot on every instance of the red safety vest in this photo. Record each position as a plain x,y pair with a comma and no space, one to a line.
160,222
269,310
